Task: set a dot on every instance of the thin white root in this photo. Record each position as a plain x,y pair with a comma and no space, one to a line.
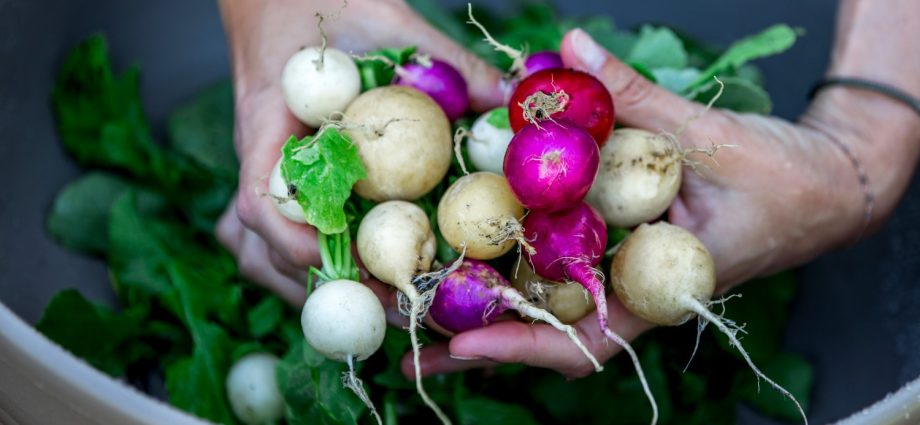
635,359
458,140
414,318
700,114
351,381
519,303
517,56
700,309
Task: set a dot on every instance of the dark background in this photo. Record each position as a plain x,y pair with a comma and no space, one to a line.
857,316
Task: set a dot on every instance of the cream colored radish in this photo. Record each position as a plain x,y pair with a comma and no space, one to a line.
569,302
318,82
665,275
404,140
488,142
396,244
479,213
638,178
252,390
284,199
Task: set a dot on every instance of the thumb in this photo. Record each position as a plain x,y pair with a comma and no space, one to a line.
637,101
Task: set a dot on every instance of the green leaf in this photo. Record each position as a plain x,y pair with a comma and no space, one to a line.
375,72
739,95
675,80
313,392
791,372
108,340
643,71
202,130
498,118
485,411
773,40
658,48
265,316
619,43
395,344
80,215
323,168
196,383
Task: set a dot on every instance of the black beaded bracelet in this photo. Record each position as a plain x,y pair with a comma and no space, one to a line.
860,83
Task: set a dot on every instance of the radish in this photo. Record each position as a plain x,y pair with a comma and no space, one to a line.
404,140
479,213
568,301
343,319
317,82
563,95
639,176
665,275
439,80
488,140
396,244
474,295
283,195
551,166
569,245
539,61
252,390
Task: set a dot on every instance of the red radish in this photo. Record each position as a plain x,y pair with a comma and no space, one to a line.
539,61
475,294
563,95
551,166
439,80
569,245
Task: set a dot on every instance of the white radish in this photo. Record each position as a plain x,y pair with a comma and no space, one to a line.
488,140
283,196
396,244
568,301
318,82
252,390
404,140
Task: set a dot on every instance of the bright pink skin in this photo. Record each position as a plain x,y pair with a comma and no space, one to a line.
539,61
589,104
569,244
468,297
441,81
551,167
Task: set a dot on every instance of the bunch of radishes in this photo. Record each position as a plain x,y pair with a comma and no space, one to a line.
539,159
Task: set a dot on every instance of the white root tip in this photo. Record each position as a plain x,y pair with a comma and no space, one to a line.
351,381
697,307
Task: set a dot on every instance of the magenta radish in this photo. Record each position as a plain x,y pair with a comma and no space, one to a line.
475,294
665,275
552,166
539,61
569,245
439,80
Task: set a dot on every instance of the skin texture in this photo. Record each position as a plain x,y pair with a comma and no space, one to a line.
480,213
312,91
253,390
404,141
441,81
638,177
656,266
343,318
551,167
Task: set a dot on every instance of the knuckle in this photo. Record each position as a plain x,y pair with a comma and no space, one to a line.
631,90
247,210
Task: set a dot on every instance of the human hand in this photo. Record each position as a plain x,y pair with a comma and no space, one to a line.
784,194
262,35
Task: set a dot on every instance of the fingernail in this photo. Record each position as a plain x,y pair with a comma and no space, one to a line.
591,55
466,357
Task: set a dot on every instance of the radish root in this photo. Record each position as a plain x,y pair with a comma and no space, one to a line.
458,140
517,56
351,381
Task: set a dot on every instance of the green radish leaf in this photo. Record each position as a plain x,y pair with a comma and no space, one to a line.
791,372
498,118
196,383
265,316
80,215
322,168
619,43
643,71
771,41
113,344
486,411
375,72
202,130
658,48
313,391
395,344
675,80
739,95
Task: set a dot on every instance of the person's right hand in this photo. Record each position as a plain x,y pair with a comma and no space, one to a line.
262,35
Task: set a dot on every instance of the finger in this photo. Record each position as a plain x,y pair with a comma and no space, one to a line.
436,359
254,263
286,268
483,80
637,101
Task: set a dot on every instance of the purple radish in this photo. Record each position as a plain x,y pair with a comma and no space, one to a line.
539,61
439,80
475,294
552,166
569,245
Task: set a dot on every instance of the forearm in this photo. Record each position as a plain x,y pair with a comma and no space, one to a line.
874,41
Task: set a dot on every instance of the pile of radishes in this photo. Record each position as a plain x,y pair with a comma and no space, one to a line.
550,175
